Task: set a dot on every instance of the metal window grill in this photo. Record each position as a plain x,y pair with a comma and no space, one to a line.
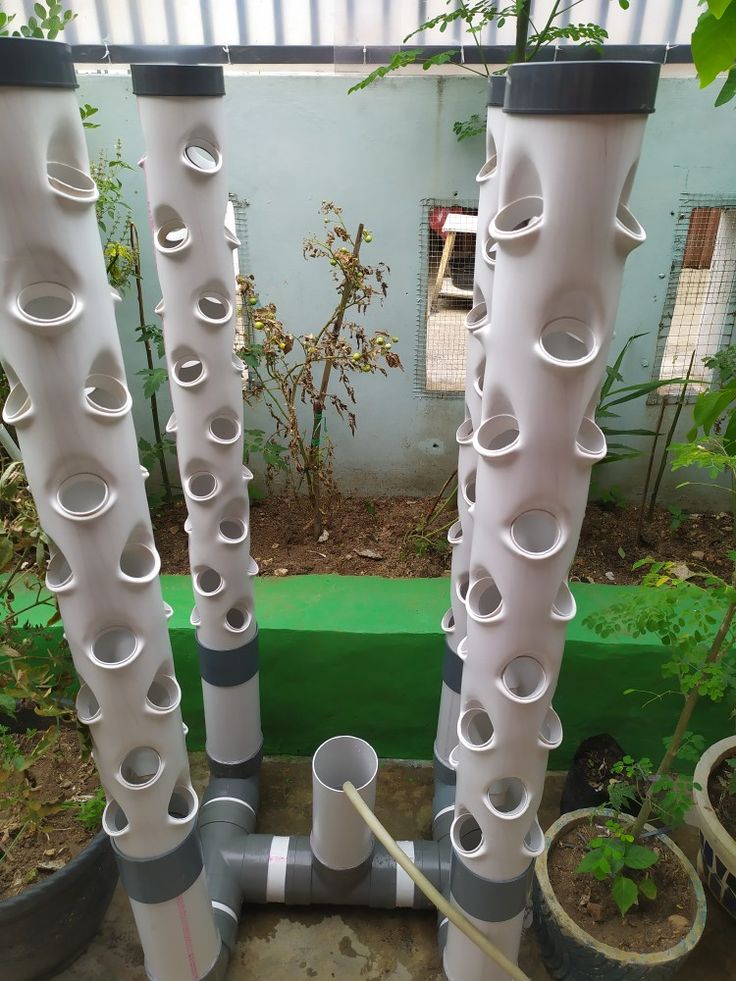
700,304
236,221
447,258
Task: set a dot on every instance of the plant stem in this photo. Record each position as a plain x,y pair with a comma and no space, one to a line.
318,404
650,465
160,452
522,29
669,438
685,715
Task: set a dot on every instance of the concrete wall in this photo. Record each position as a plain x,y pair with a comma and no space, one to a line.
296,140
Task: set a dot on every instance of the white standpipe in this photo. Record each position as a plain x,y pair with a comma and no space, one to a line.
182,116
562,234
71,409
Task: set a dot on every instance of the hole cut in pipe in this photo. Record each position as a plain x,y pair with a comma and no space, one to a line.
508,797
233,530
461,588
225,429
182,804
114,819
214,309
208,581
479,378
534,840
448,622
202,156
497,435
484,599
466,834
488,169
490,250
140,767
517,218
468,489
475,729
564,606
536,532
476,317
189,371
115,646
455,533
58,573
568,341
164,694
238,618
202,486
524,678
590,440
627,223
46,304
83,495
172,237
464,432
344,758
550,733
88,707
70,182
139,562
18,407
107,396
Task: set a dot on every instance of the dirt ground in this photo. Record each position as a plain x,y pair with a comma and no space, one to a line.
378,536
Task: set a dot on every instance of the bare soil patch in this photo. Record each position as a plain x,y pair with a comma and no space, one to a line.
723,801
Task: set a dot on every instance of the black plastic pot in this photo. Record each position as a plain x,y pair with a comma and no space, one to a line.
47,926
579,791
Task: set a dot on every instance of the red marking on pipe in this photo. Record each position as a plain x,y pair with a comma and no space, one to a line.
186,933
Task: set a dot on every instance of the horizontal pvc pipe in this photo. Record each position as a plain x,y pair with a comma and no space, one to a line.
339,839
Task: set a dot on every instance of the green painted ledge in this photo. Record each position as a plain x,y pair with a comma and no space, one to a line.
363,655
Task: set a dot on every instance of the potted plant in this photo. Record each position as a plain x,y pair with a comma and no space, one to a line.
613,894
714,793
57,870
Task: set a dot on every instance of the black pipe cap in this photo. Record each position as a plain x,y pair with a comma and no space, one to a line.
582,88
496,90
36,63
173,80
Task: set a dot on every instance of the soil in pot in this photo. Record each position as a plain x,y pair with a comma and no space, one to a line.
651,926
42,806
722,799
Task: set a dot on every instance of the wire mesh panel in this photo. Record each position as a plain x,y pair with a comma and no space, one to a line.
236,221
700,304
447,257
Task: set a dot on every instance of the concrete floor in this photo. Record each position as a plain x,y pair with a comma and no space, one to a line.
276,944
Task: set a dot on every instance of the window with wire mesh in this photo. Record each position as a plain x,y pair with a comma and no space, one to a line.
235,221
447,257
698,316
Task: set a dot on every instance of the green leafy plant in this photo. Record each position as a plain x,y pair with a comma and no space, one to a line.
610,857
714,46
48,21
87,809
610,498
475,18
288,369
679,517
429,533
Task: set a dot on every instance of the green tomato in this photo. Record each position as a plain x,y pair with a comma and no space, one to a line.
253,300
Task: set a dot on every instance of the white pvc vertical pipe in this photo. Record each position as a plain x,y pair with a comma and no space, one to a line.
182,116
571,145
460,535
72,411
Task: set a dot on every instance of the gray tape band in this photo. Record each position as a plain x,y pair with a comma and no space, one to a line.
486,899
218,971
299,858
253,867
452,668
383,879
443,773
236,771
234,812
226,669
157,880
427,860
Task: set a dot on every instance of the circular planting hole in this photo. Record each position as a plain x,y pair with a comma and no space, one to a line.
139,562
479,378
564,603
469,490
71,182
518,217
140,767
83,495
550,732
497,434
194,617
534,839
345,758
168,610
46,304
225,429
114,820
182,803
524,678
464,432
508,796
466,834
475,728
568,341
590,440
477,316
238,365
237,619
188,371
214,309
17,405
455,534
58,573
448,622
88,708
208,581
484,599
173,236
106,395
535,532
461,588
115,646
627,221
490,250
202,155
202,485
233,530
488,169
164,694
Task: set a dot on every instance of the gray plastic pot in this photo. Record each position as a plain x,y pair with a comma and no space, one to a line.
47,926
572,954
